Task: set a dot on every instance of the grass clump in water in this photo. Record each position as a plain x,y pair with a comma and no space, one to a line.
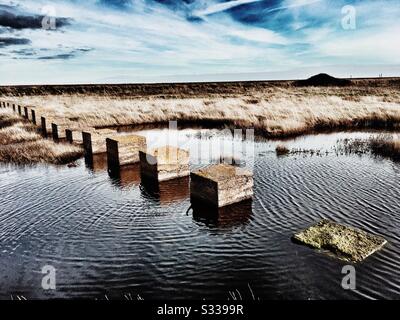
282,150
384,145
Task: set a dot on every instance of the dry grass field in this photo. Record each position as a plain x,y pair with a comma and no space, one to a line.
273,109
20,143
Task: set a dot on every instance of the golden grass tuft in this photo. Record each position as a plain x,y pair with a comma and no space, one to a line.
8,118
18,132
385,146
39,151
21,144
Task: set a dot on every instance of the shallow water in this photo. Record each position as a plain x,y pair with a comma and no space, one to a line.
111,236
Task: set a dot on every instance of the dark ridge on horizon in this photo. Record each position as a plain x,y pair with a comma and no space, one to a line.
323,80
228,88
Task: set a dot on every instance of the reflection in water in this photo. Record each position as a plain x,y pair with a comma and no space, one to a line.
125,176
166,192
117,240
228,217
96,162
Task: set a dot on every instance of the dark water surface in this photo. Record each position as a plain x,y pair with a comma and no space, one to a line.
112,236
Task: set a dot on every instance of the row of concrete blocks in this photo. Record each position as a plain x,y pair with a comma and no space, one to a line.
216,185
26,112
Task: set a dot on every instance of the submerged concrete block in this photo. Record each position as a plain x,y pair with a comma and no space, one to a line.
124,149
344,242
96,162
125,176
164,163
221,185
231,216
94,141
165,192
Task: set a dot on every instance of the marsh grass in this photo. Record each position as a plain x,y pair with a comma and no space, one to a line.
8,118
278,112
20,143
383,145
39,151
274,110
282,150
18,132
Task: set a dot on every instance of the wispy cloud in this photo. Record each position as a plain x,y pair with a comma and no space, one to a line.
223,6
138,39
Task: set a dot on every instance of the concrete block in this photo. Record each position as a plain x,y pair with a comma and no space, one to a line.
124,149
45,124
345,243
26,113
58,129
126,176
33,116
74,136
164,163
96,162
165,192
221,185
94,141
228,217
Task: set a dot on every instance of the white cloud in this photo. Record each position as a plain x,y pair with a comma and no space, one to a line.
155,41
221,6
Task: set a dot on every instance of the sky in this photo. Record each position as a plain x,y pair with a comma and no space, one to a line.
120,41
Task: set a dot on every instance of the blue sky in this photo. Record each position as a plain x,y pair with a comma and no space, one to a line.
112,41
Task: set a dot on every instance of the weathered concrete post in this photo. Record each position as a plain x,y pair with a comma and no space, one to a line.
58,130
26,113
94,141
14,108
221,185
45,123
19,110
33,116
123,150
74,136
164,163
